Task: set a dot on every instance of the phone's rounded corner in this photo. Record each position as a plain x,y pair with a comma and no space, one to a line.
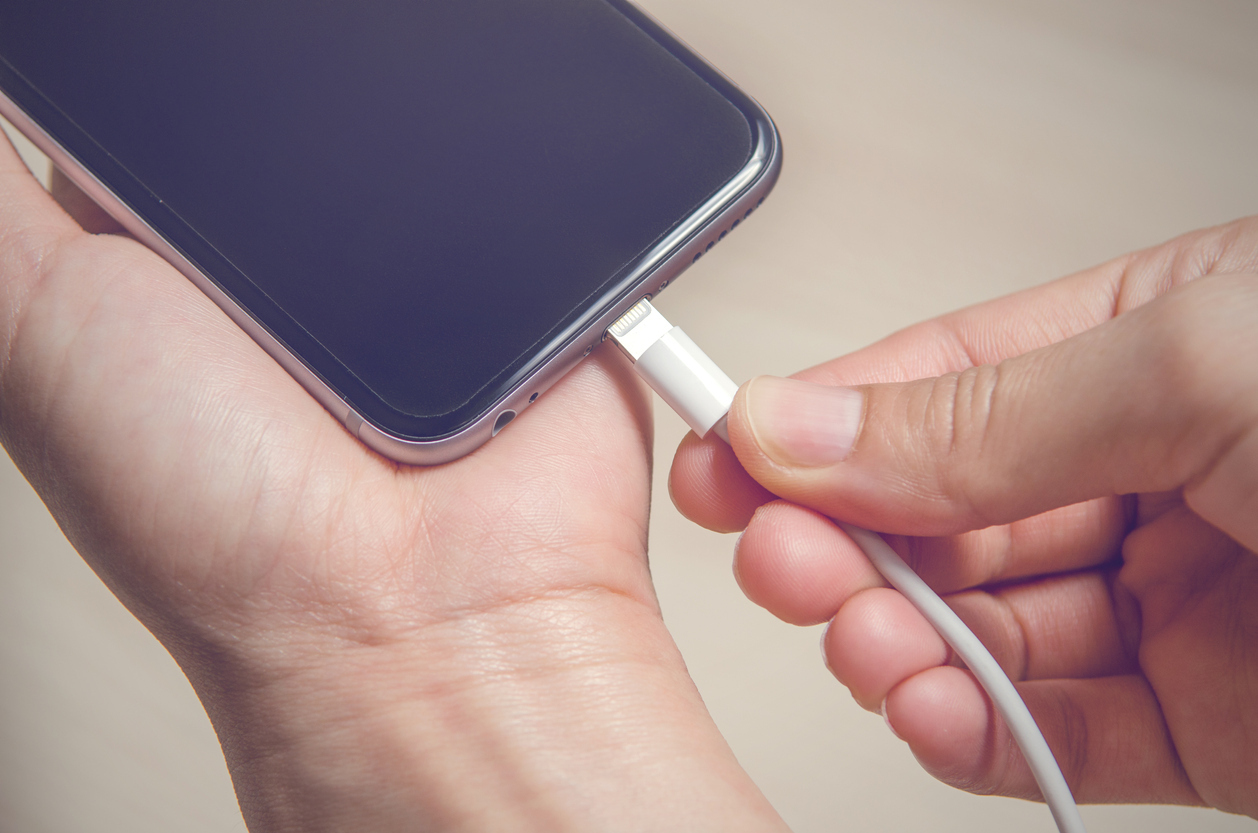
770,139
416,452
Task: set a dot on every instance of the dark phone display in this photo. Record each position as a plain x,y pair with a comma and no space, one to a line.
414,195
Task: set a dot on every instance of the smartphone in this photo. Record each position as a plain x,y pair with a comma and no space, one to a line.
427,211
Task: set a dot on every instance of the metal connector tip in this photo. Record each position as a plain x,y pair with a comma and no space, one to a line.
638,329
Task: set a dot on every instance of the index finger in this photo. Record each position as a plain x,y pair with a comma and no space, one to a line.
1012,325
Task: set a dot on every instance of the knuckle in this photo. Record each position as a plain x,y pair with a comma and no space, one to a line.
1071,750
957,422
1008,773
1179,335
1192,344
1191,334
1227,249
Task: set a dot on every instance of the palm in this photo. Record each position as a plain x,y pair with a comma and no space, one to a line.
206,487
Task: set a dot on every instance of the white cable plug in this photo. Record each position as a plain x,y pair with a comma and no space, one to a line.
698,390
675,368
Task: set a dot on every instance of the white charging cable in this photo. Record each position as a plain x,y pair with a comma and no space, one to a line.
701,393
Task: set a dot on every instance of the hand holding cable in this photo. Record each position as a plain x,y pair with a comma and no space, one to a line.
701,393
1013,462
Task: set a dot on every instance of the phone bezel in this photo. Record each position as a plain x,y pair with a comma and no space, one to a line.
661,264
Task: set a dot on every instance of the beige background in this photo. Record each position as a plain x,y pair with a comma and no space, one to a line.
937,154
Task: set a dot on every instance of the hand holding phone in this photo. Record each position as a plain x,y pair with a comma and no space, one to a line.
379,647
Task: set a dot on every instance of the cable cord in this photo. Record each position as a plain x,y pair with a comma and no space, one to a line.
986,670
701,393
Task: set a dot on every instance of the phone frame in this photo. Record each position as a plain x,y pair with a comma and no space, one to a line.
651,272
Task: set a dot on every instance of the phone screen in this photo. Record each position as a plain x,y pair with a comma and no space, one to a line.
415,196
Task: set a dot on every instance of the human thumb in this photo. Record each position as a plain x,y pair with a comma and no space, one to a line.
1163,397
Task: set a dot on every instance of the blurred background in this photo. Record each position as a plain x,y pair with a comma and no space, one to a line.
938,153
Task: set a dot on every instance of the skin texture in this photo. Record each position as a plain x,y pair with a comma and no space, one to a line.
1076,468
379,647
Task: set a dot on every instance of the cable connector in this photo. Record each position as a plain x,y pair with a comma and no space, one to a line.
675,368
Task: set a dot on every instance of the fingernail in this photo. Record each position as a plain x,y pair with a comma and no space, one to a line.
738,577
802,424
825,655
883,708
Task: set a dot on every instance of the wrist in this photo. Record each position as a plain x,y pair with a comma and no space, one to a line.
567,712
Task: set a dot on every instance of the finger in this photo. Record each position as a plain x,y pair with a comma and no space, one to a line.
876,641
1150,401
1067,626
31,225
1064,627
90,216
710,487
995,330
802,568
991,332
1107,735
798,565
1073,537
26,205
